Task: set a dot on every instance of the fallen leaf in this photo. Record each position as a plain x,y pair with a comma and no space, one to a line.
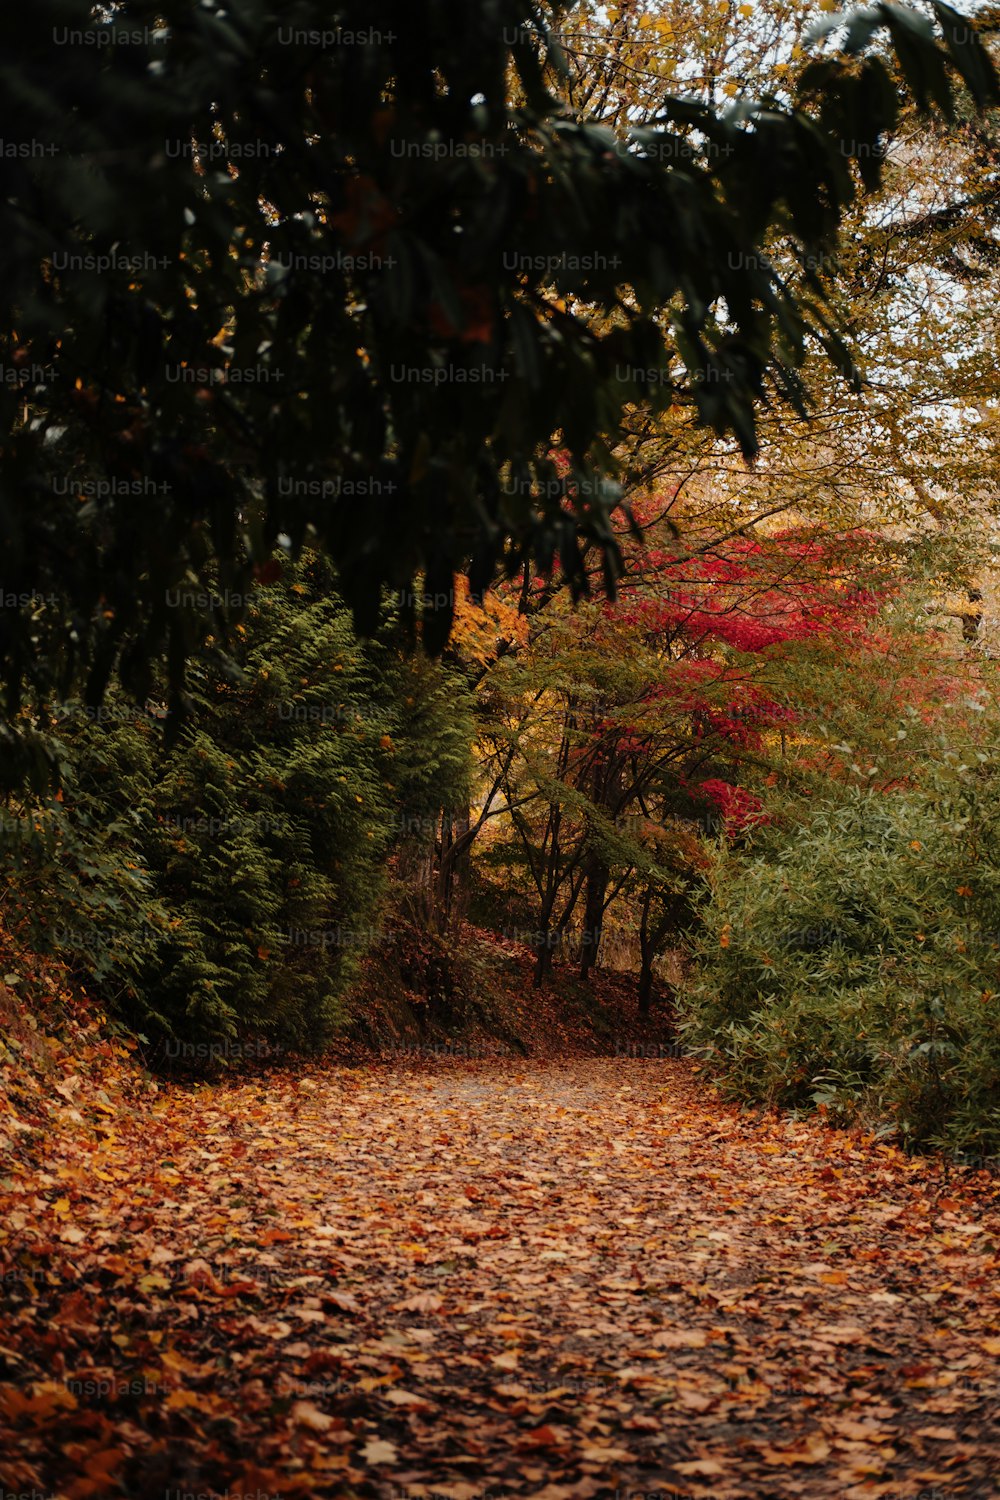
377,1451
706,1468
680,1338
308,1415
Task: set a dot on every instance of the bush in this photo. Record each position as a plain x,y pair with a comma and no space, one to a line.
228,888
854,964
76,882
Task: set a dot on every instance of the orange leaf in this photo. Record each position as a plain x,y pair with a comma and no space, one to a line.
540,1437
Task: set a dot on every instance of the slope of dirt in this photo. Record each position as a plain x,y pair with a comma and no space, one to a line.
486,1004
501,1277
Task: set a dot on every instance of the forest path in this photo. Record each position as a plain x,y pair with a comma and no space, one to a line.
559,1279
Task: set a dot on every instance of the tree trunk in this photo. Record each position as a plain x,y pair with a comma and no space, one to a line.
645,988
593,916
462,864
647,950
543,959
454,862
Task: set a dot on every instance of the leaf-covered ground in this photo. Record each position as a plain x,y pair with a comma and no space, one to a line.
500,1277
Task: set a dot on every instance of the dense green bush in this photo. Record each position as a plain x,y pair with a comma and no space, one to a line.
854,962
226,889
75,882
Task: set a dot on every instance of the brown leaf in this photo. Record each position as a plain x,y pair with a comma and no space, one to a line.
377,1451
813,1451
308,1415
707,1468
680,1338
423,1302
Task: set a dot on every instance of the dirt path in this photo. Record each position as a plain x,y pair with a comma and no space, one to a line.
472,1279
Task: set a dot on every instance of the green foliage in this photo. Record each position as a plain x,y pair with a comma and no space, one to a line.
433,729
851,963
229,887
586,746
75,880
457,267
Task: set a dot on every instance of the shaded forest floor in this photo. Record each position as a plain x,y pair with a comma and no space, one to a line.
505,1276
486,1004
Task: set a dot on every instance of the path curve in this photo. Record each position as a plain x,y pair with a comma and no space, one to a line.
518,1278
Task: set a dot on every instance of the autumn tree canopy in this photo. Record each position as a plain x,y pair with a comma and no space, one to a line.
273,274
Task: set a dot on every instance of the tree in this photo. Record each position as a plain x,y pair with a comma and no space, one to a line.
915,279
849,962
262,286
227,890
618,728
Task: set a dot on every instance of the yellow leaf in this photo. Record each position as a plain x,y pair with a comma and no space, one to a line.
153,1282
179,1399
